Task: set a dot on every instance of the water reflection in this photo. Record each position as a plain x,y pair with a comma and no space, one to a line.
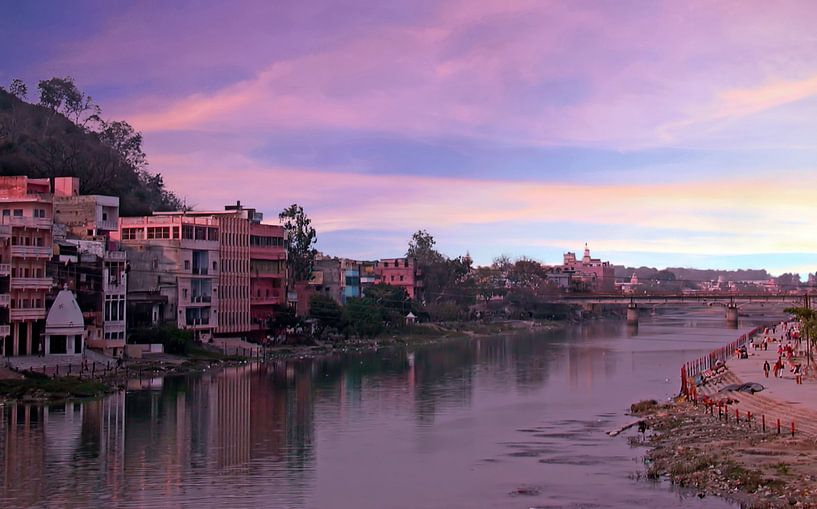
301,433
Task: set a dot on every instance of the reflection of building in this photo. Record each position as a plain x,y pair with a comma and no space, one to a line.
174,267
596,275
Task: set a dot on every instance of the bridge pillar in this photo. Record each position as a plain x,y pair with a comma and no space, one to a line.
632,314
732,314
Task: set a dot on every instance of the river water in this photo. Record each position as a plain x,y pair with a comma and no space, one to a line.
515,421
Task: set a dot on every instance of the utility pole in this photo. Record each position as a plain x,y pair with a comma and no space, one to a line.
805,333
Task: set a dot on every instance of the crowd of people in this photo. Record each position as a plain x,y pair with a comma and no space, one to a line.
788,342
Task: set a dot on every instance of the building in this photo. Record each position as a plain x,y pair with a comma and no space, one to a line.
399,272
252,280
90,264
326,278
594,274
25,247
174,268
268,269
64,326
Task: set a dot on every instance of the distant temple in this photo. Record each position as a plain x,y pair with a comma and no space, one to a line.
594,274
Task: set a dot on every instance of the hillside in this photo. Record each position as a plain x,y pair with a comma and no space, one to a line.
39,141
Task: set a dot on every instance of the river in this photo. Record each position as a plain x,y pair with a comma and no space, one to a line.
506,421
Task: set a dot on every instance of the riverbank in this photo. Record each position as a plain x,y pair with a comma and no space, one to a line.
36,387
735,460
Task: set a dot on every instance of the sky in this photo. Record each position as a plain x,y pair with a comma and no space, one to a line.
660,133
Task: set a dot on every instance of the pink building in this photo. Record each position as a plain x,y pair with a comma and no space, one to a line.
597,275
25,248
398,272
268,268
174,269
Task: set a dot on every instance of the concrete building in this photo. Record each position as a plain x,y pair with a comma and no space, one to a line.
268,269
596,275
90,264
252,281
399,272
26,227
326,278
174,268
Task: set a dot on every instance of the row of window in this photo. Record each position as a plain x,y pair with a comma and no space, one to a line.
188,232
264,241
114,308
115,335
397,263
27,303
19,213
26,240
27,272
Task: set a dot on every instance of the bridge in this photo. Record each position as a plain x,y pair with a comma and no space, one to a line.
731,301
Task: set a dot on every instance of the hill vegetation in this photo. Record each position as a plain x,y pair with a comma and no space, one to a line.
64,134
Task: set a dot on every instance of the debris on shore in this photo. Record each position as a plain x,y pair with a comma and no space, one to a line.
734,460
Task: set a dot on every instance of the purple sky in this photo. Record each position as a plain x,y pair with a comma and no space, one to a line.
662,133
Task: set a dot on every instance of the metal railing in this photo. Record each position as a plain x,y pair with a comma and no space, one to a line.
31,251
39,283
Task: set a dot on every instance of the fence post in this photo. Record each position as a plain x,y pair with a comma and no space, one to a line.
778,426
792,428
763,418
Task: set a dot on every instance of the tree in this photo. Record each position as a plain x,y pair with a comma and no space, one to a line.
365,317
18,89
301,238
120,136
421,248
326,312
61,95
808,319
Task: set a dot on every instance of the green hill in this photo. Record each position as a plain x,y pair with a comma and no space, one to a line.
40,140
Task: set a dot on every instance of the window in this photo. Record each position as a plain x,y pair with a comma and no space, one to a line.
39,212
158,232
215,265
104,216
175,232
187,265
6,212
18,212
401,278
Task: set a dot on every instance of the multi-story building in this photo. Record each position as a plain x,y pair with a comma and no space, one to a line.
174,268
268,268
326,278
252,280
96,271
25,247
399,272
597,276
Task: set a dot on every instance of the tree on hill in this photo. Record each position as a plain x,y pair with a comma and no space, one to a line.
65,135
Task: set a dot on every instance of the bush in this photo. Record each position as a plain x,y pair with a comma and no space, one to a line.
173,339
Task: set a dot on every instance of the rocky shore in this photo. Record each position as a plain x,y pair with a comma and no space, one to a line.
735,460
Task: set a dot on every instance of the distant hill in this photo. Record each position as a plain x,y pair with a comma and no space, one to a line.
41,141
693,275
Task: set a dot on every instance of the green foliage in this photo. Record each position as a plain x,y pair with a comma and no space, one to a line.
284,319
364,317
301,238
326,312
66,136
174,340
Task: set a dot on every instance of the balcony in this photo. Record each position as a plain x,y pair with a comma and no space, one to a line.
200,271
34,283
28,222
5,330
5,269
5,300
31,251
197,299
27,314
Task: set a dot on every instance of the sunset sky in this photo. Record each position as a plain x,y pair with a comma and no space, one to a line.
661,133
